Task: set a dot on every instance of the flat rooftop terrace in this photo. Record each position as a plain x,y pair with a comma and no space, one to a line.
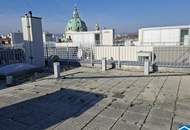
88,99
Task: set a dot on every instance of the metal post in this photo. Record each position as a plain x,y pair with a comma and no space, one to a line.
56,66
153,55
91,56
9,80
47,51
119,59
67,55
146,67
14,54
104,64
152,60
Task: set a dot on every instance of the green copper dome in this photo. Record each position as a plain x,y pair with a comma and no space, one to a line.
75,23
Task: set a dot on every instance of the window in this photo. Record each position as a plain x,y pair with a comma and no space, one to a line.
97,39
184,32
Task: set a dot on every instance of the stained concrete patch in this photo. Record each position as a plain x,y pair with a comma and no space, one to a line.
119,95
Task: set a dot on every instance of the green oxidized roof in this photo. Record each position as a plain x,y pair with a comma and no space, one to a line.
75,23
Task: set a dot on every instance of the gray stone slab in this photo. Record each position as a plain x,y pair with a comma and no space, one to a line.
155,123
100,123
161,113
120,105
139,108
125,126
134,118
111,113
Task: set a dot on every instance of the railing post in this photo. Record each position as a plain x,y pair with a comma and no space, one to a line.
91,56
67,55
146,67
56,66
119,59
9,80
47,55
152,60
104,64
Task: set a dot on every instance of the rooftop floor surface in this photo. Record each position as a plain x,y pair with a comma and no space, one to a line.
88,99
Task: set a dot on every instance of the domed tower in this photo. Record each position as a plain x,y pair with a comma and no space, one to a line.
75,23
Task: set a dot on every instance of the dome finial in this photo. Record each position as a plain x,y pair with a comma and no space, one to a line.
75,12
97,28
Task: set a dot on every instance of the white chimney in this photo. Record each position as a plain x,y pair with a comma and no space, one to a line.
32,35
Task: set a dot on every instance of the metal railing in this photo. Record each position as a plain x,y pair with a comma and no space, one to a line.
165,43
11,56
172,56
163,56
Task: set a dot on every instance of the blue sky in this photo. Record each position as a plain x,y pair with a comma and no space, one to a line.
123,15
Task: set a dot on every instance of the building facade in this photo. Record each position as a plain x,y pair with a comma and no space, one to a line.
97,38
172,35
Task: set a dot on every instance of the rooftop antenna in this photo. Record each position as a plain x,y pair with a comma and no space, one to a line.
30,13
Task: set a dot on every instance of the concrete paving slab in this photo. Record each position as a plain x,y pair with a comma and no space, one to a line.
111,113
135,118
125,126
155,123
100,123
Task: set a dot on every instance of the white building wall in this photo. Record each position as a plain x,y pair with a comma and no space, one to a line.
25,22
88,38
32,34
161,35
187,40
151,36
108,37
170,35
81,38
124,53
